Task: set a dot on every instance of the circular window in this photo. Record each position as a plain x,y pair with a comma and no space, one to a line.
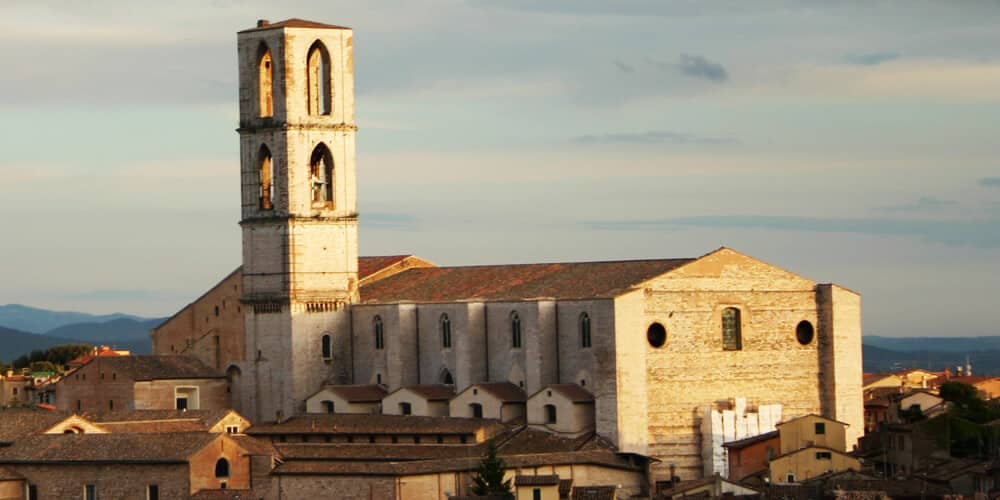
656,335
804,332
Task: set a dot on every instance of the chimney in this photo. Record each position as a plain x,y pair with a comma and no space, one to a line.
263,23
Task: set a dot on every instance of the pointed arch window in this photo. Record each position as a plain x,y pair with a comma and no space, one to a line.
266,176
446,377
318,80
585,340
732,336
327,347
515,329
321,178
445,325
265,82
379,332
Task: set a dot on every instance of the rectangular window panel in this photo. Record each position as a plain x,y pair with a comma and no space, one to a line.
820,428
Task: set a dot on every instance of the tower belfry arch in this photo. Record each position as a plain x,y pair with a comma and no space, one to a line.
299,210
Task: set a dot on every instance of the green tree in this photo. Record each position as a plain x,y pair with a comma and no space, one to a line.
489,475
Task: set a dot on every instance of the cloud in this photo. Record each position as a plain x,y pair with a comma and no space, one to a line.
870,59
652,137
974,233
990,181
925,203
623,67
693,66
699,67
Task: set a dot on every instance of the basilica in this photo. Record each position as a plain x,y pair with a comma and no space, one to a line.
666,358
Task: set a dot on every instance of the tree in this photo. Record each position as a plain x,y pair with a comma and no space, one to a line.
489,475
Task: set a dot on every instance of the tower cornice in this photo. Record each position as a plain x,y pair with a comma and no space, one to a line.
284,126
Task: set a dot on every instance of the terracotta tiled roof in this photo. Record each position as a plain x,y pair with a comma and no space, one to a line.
869,378
530,441
158,367
295,23
811,415
546,480
572,392
107,448
577,280
375,424
349,467
357,393
376,452
743,443
504,391
8,474
206,418
255,446
103,352
373,264
431,392
18,423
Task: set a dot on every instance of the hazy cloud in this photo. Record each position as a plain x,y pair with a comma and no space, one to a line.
652,137
699,67
385,220
623,67
974,233
925,203
990,181
871,59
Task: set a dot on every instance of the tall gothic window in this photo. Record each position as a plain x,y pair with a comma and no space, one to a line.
731,329
515,329
445,324
266,174
379,332
585,330
321,178
265,80
327,347
318,80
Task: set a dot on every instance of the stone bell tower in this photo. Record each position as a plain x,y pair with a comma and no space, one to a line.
299,211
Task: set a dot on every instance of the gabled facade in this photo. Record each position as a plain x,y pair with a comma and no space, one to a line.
429,400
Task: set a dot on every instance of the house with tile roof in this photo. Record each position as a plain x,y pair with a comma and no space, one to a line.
347,399
125,383
429,400
654,340
564,409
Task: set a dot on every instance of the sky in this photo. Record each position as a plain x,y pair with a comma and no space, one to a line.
849,142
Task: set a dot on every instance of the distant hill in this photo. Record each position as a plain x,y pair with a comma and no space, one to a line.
878,359
116,330
941,344
14,343
36,320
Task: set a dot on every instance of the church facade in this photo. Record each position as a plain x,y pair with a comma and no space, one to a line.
658,343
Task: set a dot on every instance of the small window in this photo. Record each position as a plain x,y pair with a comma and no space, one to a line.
265,89
78,404
820,428
32,492
379,332
585,340
515,330
405,409
378,378
318,80
327,347
823,455
476,409
111,404
232,429
445,325
222,468
446,378
182,403
216,310
90,492
321,177
656,335
791,477
328,406
153,492
536,494
804,332
550,414
731,329
266,179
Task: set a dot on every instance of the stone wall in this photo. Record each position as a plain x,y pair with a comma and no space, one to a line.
117,481
691,369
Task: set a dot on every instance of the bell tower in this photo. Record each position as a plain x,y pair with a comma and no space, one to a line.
299,211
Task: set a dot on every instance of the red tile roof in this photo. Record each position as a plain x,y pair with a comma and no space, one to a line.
357,393
431,392
504,391
107,448
544,480
743,443
575,280
375,424
158,367
295,23
572,392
